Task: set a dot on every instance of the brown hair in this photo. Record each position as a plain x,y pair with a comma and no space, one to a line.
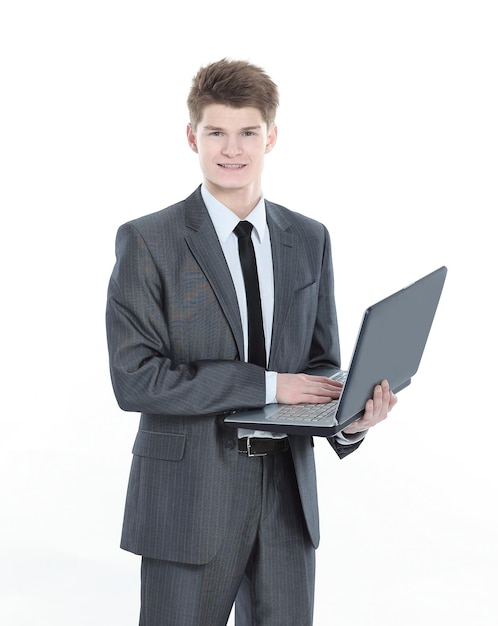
233,83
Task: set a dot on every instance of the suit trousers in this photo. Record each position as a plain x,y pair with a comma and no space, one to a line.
266,563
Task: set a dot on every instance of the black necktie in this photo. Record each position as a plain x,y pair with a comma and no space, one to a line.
256,336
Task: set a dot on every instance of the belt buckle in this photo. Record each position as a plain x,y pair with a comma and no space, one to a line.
249,453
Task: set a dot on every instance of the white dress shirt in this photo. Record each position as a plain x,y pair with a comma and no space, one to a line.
224,221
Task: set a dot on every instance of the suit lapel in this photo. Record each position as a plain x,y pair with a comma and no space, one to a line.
284,253
203,242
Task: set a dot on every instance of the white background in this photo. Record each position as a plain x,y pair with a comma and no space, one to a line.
388,134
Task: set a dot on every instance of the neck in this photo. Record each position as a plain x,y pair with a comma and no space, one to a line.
239,201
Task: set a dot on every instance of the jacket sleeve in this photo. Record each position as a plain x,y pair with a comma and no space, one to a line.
343,449
144,373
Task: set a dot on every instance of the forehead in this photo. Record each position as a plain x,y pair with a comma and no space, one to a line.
222,116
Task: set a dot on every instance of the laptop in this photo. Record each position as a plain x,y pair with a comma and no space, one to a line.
390,343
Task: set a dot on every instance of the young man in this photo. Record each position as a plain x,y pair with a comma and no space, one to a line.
214,524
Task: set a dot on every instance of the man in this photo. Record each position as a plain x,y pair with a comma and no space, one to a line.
214,524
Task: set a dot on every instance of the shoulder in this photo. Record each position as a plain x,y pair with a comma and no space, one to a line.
170,220
170,214
295,222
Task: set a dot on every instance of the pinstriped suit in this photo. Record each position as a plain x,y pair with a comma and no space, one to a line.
175,343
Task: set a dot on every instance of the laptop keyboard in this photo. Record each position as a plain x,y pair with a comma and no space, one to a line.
305,412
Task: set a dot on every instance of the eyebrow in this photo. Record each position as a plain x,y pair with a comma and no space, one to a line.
245,128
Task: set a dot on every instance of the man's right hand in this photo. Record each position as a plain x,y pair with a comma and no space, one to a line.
297,388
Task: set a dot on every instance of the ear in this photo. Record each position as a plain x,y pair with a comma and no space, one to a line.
271,139
192,142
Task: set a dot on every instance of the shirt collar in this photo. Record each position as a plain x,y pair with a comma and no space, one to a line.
225,220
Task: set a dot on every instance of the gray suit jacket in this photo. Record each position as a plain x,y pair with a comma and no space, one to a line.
175,344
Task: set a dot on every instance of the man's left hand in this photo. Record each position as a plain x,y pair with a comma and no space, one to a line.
376,409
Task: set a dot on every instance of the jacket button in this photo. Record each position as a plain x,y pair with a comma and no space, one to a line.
230,444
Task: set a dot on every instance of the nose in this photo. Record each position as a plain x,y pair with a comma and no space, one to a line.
231,147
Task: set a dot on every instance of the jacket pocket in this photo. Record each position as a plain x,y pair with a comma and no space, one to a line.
308,285
162,446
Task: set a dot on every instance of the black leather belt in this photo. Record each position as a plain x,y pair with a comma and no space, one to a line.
261,446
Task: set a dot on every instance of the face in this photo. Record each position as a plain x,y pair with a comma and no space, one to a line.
231,144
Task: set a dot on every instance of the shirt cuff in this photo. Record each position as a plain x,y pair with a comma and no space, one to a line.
348,440
271,387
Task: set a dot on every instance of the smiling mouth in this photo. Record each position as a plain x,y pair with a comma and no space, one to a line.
231,166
